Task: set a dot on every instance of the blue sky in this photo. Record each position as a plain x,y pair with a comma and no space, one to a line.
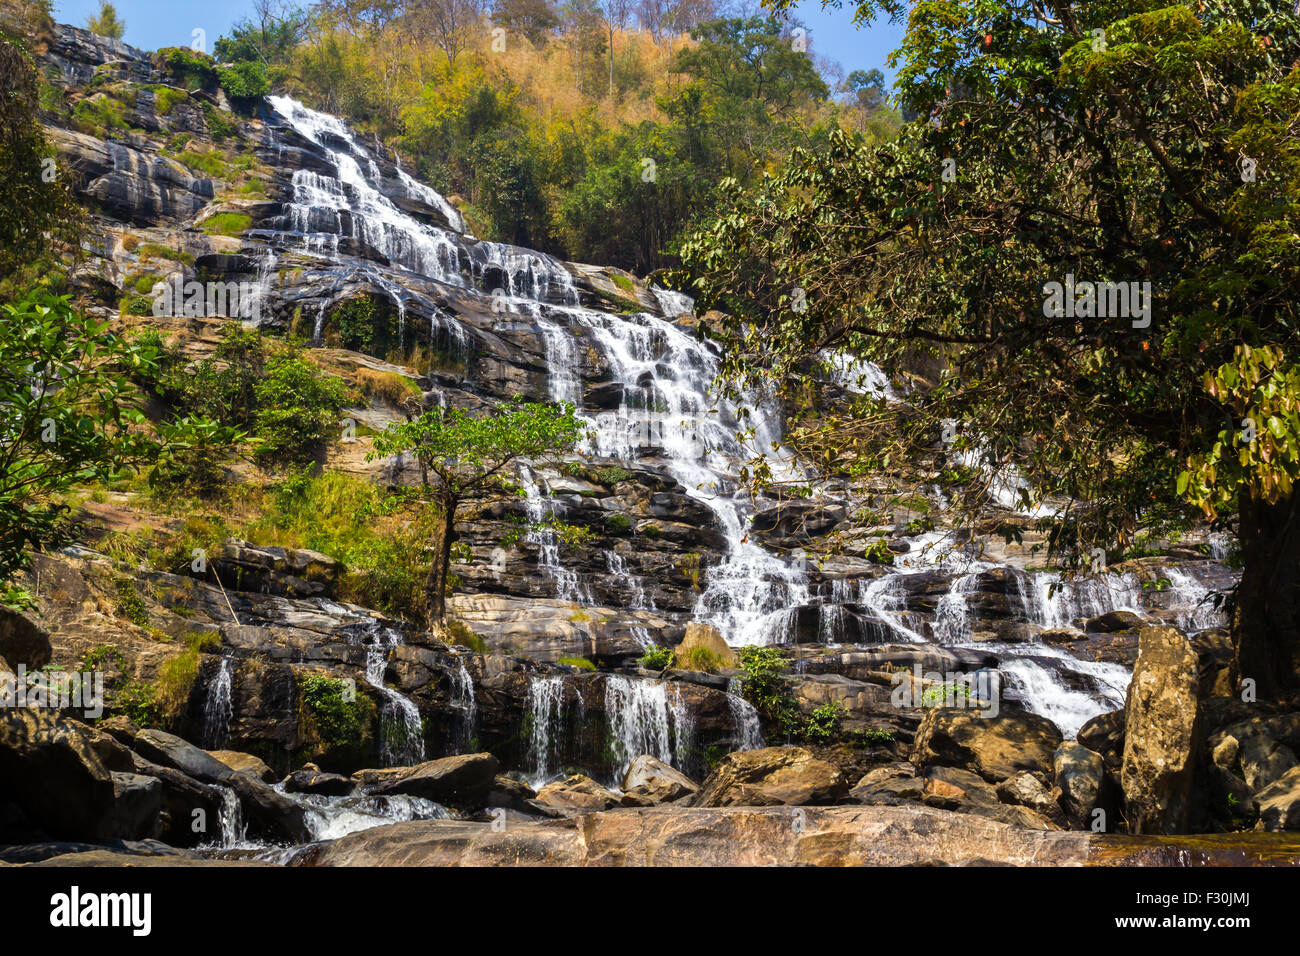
151,24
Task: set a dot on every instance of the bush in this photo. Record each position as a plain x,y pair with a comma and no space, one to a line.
617,523
656,658
339,722
244,81
879,553
227,224
579,662
298,410
190,69
701,659
824,722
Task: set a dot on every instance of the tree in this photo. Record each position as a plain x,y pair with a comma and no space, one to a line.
532,18
71,414
37,211
463,456
1056,147
450,23
269,39
106,22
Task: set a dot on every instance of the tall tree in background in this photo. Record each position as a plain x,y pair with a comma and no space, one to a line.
106,22
1152,144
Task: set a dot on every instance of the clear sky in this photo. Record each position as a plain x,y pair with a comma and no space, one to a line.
151,24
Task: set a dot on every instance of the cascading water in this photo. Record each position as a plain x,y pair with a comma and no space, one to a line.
749,730
646,717
401,731
544,704
463,699
218,706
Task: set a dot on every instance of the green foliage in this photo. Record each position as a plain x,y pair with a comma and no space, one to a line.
579,662
138,701
190,69
878,552
339,722
194,449
298,410
106,22
227,224
617,523
72,417
99,115
701,659
824,722
129,604
167,98
244,81
656,658
462,634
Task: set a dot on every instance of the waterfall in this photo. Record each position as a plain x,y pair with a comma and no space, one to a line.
544,705
231,820
1039,685
541,511
218,707
1196,611
647,717
462,698
1050,601
622,574
749,731
952,615
401,730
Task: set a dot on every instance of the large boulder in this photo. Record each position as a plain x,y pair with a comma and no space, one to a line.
319,783
137,806
577,793
993,747
1113,621
1080,775
1161,733
22,640
53,776
1104,735
708,638
650,781
459,781
171,751
1279,803
772,776
244,763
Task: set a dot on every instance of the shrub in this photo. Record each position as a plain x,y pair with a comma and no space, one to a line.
579,662
227,224
879,553
244,81
462,634
656,658
298,409
339,721
701,659
191,69
166,98
824,722
387,387
129,605
617,523
137,700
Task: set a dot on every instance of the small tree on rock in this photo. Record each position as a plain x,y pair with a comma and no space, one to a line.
463,456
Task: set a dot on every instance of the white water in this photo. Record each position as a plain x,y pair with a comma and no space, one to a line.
218,707
646,717
401,731
544,703
465,702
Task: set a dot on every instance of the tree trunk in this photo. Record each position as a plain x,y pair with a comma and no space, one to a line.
435,587
1266,621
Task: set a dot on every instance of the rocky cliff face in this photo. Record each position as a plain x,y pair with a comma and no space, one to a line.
309,216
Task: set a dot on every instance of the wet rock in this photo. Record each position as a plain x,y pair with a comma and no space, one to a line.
137,806
1104,734
244,763
577,793
190,812
317,782
650,781
772,776
462,780
1024,789
511,793
1161,734
994,747
171,751
892,784
268,813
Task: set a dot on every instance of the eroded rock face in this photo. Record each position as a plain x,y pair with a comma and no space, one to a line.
772,776
578,793
994,747
1080,774
1161,733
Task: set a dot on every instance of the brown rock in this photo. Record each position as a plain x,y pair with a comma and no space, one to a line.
772,776
994,747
